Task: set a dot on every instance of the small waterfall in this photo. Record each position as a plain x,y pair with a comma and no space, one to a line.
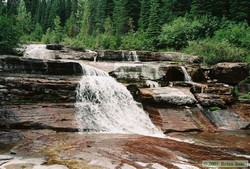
152,84
134,56
187,77
103,105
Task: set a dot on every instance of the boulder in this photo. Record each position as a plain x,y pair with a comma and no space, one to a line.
14,64
165,96
230,73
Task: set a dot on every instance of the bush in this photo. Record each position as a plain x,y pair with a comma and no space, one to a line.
177,33
136,41
9,36
214,52
235,34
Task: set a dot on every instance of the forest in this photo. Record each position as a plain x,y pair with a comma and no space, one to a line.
217,30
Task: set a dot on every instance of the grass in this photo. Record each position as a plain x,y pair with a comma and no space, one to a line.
214,108
245,96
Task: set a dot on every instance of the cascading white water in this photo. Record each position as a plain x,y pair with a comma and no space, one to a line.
186,75
152,84
134,56
103,105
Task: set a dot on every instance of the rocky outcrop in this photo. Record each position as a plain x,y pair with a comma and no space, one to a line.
167,96
230,73
14,64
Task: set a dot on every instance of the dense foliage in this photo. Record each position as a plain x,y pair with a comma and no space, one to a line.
217,30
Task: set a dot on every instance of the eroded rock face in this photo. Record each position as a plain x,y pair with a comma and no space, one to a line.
230,73
167,96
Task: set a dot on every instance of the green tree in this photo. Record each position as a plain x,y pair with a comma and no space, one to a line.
24,20
120,16
57,32
201,7
144,14
239,10
154,27
9,36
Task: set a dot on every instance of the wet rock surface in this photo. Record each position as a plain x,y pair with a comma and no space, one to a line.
130,151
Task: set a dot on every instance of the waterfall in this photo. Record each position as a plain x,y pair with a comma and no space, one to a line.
152,84
187,77
104,105
134,56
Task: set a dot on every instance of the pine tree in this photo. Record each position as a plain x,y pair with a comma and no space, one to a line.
239,10
154,27
23,18
144,14
133,11
12,7
100,15
9,38
201,7
120,16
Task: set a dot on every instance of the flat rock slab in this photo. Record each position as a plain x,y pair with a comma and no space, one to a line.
174,119
167,95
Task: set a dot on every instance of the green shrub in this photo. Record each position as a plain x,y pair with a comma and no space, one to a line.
214,52
177,33
135,40
235,34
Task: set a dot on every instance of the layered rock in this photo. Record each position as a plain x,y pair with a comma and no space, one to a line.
144,56
38,94
14,64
